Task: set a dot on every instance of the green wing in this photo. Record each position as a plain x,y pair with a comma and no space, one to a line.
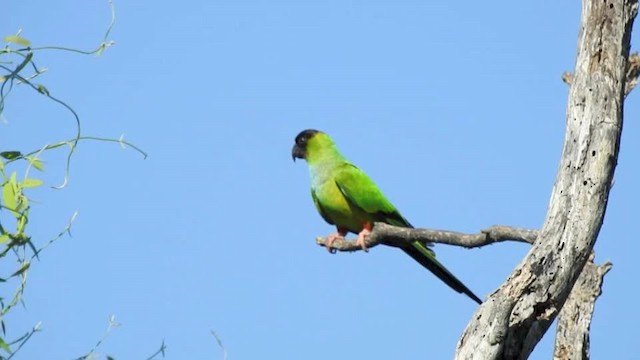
361,192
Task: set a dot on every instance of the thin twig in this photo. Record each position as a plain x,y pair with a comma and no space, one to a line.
219,341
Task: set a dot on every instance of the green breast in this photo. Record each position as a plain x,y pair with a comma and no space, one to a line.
335,206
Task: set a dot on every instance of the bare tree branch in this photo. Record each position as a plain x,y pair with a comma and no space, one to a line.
389,235
510,323
572,335
574,321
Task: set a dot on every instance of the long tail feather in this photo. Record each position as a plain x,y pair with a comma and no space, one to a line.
427,259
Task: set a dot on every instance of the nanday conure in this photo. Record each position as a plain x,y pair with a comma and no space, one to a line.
347,198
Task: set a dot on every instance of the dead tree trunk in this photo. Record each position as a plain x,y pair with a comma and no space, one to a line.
516,316
574,321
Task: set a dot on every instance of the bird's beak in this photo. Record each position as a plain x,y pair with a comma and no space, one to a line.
297,152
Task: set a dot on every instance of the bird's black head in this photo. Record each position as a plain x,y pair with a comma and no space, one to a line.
300,147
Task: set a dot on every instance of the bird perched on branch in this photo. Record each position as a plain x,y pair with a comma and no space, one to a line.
347,198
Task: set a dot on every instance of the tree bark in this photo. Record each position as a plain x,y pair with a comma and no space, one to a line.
574,321
515,317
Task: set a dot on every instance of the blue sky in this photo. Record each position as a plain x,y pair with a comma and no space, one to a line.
456,110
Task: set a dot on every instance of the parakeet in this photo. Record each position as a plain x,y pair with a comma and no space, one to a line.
347,198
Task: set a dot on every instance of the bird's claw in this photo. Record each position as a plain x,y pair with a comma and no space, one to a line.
360,241
363,246
338,236
330,240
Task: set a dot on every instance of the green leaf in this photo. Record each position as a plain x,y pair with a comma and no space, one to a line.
5,346
15,39
25,62
42,90
35,162
10,155
31,183
33,248
23,202
22,222
9,194
25,266
4,238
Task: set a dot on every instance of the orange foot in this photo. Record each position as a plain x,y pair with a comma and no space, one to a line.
361,235
330,239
